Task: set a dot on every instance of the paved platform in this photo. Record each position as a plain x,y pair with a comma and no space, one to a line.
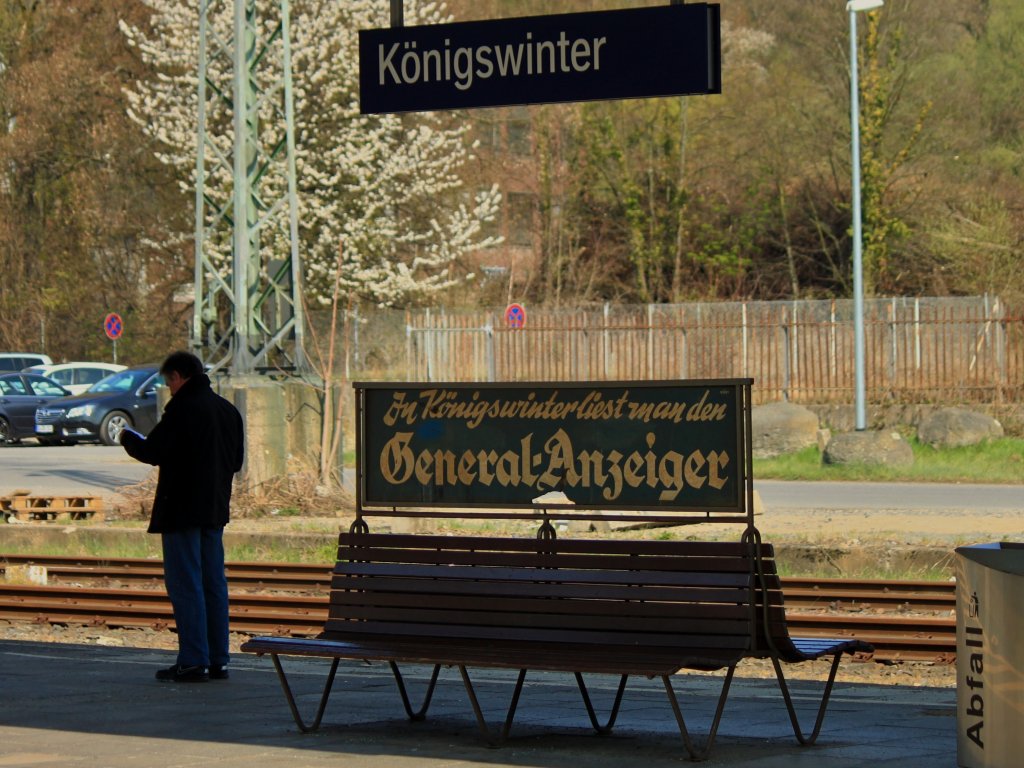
79,705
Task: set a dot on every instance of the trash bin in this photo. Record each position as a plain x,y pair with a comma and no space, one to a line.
990,655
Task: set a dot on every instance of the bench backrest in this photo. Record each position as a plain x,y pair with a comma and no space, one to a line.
671,594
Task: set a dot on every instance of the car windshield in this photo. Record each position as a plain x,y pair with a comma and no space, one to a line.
44,387
124,381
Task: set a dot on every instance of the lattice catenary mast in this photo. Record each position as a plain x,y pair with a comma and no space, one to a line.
248,312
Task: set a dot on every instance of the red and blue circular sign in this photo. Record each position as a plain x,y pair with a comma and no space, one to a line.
515,315
113,326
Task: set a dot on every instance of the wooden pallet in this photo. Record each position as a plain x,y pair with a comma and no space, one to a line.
51,508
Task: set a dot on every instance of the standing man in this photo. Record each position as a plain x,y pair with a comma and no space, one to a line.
198,447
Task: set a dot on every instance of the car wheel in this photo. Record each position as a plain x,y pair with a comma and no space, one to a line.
113,423
5,431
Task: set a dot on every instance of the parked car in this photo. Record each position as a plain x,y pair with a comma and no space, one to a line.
20,395
123,399
19,361
76,378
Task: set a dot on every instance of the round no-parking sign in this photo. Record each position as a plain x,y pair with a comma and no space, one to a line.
113,326
515,315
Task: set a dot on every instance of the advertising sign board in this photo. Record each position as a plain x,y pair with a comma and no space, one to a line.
662,446
667,50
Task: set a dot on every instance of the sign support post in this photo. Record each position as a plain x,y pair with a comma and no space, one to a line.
113,326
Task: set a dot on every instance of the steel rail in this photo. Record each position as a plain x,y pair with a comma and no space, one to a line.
825,594
894,636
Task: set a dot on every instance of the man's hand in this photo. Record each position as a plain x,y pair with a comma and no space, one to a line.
128,435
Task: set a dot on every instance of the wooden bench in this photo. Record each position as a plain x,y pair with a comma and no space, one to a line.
620,607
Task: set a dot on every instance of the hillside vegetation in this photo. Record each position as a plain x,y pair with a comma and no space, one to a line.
745,195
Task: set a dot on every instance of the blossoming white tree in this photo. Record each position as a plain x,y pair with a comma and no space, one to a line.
387,186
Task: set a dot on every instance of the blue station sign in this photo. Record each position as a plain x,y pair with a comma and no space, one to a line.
668,50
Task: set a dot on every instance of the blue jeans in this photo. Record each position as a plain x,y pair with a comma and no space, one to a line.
198,588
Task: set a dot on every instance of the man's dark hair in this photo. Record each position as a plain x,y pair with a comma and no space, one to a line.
185,364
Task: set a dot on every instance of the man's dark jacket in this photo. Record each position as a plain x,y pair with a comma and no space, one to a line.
198,446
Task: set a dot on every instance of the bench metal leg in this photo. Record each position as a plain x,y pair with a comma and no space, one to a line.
703,753
607,727
291,698
800,737
421,713
492,740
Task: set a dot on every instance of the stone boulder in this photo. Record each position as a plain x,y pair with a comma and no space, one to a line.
955,427
880,448
780,428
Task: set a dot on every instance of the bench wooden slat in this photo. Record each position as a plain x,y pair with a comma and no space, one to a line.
457,600
542,589
499,654
482,614
589,561
512,544
559,575
816,647
537,634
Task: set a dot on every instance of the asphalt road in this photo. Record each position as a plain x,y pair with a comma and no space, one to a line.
777,494
95,470
101,470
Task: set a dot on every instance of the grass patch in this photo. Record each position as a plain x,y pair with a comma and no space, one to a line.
278,552
996,461
884,573
84,546
270,550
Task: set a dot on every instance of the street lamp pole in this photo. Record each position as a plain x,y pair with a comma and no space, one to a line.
854,7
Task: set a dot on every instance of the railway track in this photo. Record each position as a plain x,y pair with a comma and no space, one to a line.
904,620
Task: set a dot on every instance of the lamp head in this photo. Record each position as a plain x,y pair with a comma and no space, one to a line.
855,6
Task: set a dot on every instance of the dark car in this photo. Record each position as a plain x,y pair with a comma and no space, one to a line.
125,399
20,395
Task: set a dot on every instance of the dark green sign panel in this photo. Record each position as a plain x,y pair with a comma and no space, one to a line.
641,446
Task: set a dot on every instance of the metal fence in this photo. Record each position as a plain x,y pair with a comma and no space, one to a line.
917,350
